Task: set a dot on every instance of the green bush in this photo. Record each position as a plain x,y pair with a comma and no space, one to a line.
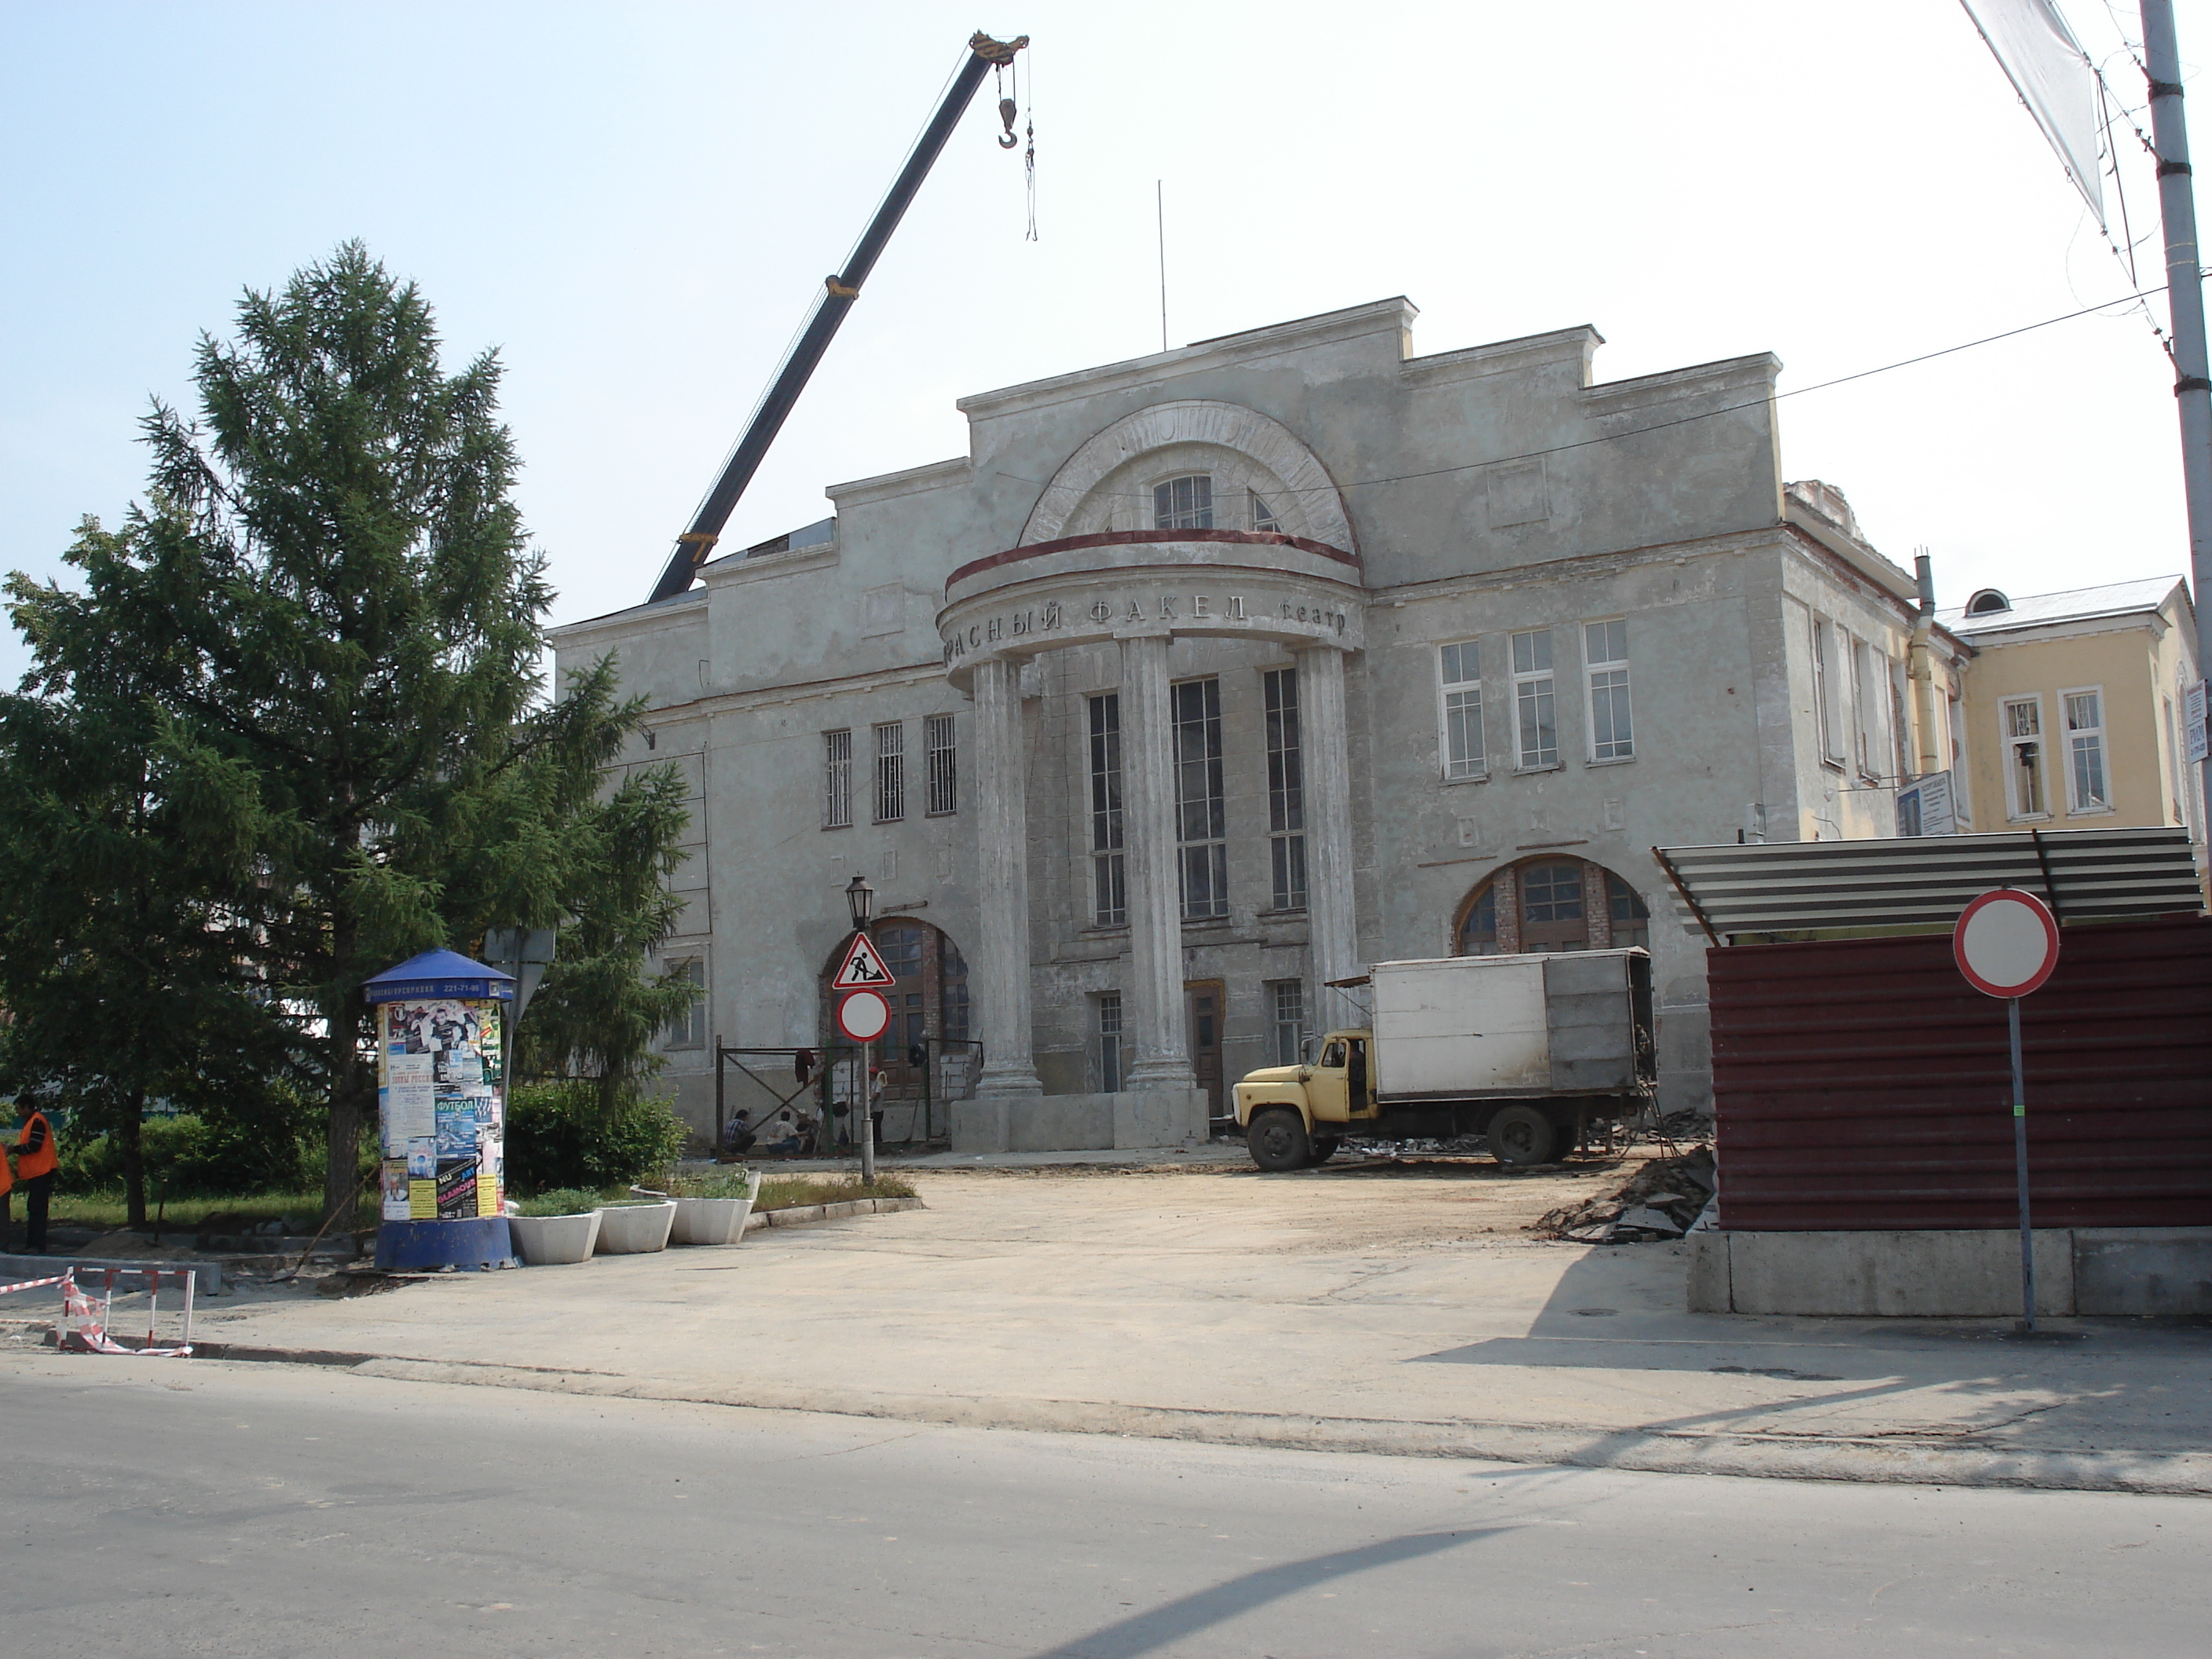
234,1154
558,1136
562,1201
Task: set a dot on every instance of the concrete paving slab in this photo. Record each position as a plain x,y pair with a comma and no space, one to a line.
1381,1308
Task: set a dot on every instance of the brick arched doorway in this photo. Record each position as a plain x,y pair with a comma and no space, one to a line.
928,998
1551,904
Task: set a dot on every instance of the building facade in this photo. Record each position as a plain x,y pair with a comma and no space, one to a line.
1206,679
2075,704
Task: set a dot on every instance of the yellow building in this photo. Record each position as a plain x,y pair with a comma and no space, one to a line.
2073,706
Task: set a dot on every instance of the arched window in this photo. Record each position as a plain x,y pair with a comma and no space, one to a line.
1548,904
1987,602
928,995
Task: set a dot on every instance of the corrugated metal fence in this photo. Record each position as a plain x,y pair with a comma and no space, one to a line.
1861,1085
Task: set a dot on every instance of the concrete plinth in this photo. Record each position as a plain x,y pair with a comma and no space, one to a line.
1135,1119
1952,1275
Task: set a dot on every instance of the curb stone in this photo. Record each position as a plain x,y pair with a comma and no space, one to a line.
1658,1451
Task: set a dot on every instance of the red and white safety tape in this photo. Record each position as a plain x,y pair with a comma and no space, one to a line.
87,1333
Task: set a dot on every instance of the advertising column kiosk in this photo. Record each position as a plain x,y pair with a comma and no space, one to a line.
442,1112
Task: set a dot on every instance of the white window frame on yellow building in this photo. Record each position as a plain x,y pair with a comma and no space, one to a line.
2076,806
2009,740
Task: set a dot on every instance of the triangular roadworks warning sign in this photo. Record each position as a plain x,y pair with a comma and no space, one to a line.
862,968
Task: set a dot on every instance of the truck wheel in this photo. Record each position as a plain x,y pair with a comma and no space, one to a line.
1324,1150
1523,1135
1278,1140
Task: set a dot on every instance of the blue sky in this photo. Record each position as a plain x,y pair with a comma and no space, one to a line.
635,203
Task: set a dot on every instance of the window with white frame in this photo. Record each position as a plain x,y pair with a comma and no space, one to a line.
1868,695
1263,516
688,1030
1201,800
1826,716
1185,503
944,762
1535,719
1108,873
891,771
1106,1037
1286,1008
2086,788
1286,808
1459,676
1604,662
836,780
2022,720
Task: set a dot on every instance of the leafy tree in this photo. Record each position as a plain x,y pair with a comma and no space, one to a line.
595,1017
347,620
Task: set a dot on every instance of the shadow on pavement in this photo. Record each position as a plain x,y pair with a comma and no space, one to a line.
1161,1626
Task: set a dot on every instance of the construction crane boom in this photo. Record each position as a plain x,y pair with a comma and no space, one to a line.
697,544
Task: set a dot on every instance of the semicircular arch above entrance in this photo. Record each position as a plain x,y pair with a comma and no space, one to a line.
1305,497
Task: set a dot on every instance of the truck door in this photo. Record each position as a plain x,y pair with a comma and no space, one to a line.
1326,1087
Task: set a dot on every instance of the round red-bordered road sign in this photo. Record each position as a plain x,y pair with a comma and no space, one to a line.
2006,943
864,1016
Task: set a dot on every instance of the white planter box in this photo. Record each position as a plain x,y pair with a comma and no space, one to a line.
711,1220
633,1228
549,1241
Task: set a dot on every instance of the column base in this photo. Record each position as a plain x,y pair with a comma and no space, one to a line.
1163,1074
1008,1082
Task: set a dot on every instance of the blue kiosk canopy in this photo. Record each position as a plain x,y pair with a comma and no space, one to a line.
439,974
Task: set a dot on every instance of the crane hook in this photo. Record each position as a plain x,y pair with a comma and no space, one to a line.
1006,139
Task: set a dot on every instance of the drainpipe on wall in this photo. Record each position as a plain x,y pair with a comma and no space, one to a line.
1921,669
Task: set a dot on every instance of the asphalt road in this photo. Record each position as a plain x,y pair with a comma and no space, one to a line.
159,1508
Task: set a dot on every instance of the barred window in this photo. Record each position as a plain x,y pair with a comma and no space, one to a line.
1199,815
1109,890
1286,812
1286,1002
1184,503
1605,660
891,771
837,779
1106,1019
944,766
1459,669
689,1029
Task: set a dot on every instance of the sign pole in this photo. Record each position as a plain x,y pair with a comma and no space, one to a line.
864,1120
2020,1165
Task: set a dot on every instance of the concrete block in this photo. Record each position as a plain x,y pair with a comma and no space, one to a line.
1929,1274
1160,1117
1708,1273
2142,1271
1061,1123
979,1125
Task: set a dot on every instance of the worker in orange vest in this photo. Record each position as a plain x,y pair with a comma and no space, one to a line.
36,1160
7,1206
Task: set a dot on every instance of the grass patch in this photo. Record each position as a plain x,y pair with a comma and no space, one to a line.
794,1192
190,1215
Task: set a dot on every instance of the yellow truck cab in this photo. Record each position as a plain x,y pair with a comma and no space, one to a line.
1526,1051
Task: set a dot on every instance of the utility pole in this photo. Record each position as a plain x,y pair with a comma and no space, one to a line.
2184,299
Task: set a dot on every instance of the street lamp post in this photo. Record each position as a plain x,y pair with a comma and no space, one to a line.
860,900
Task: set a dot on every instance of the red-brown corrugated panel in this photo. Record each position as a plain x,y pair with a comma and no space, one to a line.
1862,1084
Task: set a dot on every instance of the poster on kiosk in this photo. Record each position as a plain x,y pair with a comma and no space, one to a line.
441,1087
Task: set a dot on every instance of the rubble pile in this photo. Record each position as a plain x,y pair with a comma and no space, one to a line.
1662,1201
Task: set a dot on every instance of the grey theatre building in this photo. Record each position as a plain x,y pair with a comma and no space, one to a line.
1204,680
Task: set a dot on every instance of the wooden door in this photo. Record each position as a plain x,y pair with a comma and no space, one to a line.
1204,1001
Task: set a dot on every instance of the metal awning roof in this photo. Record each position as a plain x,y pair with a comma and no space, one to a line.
1800,886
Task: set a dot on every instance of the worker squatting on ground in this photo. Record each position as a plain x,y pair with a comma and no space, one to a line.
36,1160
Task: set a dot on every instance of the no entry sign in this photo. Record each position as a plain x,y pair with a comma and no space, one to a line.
863,1016
2006,943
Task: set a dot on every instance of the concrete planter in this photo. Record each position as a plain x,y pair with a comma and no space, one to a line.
552,1241
633,1228
713,1220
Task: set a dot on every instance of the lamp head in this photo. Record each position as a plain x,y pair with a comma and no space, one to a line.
860,899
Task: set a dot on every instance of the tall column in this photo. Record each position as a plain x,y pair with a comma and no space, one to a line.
1325,759
1001,975
1148,834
